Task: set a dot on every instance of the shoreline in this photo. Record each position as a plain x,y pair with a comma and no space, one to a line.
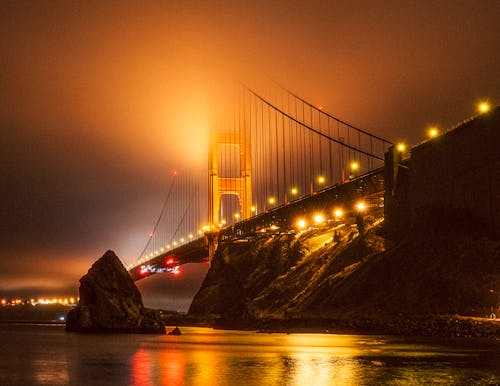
444,326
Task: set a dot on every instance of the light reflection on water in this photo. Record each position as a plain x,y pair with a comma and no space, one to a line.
46,355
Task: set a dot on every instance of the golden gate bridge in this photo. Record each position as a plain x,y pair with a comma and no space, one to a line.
271,160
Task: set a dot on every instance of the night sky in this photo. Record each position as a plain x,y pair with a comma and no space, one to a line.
100,101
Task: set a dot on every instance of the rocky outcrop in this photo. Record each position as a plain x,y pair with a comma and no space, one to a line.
110,302
418,286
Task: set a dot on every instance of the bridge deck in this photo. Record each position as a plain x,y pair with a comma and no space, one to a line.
369,187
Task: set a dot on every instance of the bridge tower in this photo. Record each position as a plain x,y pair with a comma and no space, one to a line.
241,185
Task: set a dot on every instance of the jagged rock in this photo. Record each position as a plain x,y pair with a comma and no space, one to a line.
110,302
175,331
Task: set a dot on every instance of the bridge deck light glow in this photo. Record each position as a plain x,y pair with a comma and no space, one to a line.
294,191
360,206
433,132
401,147
237,216
338,213
271,200
321,180
354,166
253,209
301,223
483,107
319,218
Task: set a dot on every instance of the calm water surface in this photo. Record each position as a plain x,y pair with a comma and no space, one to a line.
46,355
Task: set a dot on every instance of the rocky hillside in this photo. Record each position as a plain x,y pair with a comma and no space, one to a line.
344,271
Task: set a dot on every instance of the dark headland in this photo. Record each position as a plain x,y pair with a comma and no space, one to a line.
427,263
434,282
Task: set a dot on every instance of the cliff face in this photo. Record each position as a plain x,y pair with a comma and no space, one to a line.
436,269
110,302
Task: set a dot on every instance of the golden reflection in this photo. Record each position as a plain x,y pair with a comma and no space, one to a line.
53,371
141,364
203,356
172,367
207,366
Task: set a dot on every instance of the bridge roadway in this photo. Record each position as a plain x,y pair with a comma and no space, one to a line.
369,187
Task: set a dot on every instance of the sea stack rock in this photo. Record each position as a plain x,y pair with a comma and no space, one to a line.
111,302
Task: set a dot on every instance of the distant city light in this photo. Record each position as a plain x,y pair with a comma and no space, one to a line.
483,107
33,302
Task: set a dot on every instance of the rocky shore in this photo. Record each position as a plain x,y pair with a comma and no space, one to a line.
111,303
436,281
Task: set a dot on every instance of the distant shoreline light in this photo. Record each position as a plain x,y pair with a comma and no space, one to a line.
44,301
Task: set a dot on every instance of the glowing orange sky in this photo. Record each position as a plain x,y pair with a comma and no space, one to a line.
98,99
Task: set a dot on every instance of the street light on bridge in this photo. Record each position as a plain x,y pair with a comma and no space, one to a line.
361,206
483,107
301,223
433,132
319,218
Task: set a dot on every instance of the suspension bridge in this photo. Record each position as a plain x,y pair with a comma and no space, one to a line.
275,164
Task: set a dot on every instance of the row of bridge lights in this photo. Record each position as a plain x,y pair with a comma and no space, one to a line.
432,132
338,213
